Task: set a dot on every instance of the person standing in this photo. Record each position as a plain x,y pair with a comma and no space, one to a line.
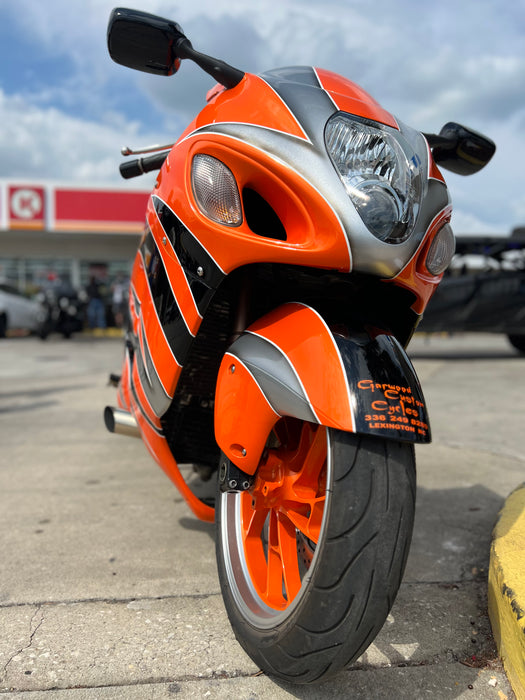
119,300
96,311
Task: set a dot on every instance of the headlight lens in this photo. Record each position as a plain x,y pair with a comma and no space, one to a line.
382,176
215,190
441,250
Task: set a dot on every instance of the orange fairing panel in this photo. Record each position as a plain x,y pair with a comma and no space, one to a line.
253,97
243,415
124,390
303,337
349,97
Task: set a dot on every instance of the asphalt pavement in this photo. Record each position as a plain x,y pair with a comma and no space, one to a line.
108,586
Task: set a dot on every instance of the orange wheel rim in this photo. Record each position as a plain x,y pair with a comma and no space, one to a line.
281,515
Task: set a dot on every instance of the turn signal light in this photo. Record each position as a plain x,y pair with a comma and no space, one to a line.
441,251
215,190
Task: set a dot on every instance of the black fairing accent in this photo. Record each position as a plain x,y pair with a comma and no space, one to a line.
188,423
192,257
389,401
177,334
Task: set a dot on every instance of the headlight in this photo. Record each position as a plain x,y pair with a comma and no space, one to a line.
382,176
215,190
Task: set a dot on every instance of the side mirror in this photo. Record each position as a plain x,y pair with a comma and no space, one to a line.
461,150
144,42
155,45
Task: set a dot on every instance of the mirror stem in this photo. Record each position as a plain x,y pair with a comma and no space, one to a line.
222,72
436,140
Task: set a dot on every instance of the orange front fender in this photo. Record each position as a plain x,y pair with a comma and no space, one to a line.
287,363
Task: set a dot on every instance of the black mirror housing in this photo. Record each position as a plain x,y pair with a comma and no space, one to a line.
143,41
461,150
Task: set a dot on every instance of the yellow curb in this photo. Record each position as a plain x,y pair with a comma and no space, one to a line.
507,588
104,332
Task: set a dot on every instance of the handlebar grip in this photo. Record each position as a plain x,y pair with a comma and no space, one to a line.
140,166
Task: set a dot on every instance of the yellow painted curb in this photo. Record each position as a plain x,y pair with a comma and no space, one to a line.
104,332
507,588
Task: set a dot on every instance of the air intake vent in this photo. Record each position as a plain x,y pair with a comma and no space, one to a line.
260,216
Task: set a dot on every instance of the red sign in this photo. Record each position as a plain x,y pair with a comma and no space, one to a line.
100,210
73,209
26,206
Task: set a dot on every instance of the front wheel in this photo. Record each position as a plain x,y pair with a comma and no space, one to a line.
310,558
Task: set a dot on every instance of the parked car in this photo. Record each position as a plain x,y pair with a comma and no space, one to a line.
483,290
18,311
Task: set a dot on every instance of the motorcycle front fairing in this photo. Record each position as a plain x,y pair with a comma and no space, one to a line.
297,238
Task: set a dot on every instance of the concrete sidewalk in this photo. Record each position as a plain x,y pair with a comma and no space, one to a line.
109,586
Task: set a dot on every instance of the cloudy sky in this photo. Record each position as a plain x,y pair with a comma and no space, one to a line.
66,108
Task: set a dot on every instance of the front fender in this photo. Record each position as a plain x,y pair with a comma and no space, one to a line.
289,363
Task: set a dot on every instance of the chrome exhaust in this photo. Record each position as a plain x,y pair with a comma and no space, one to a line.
121,422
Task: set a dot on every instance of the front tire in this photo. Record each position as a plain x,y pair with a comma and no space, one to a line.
310,559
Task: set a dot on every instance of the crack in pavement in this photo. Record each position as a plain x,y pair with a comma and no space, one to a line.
110,601
38,612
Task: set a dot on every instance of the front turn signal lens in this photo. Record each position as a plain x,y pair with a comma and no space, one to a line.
215,190
441,251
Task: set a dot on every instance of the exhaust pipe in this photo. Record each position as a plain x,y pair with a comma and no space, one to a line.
121,422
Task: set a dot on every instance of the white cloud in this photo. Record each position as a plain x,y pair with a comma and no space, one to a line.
48,144
424,62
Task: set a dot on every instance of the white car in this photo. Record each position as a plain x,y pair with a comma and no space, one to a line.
17,311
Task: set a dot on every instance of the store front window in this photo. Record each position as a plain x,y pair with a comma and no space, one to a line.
31,276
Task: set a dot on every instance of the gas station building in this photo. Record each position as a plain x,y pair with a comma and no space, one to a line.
50,230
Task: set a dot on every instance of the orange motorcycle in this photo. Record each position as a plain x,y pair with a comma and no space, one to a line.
294,235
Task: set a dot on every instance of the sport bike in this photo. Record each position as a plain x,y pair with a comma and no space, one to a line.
293,237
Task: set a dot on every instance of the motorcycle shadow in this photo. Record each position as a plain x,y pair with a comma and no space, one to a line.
463,347
205,489
437,639
465,355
